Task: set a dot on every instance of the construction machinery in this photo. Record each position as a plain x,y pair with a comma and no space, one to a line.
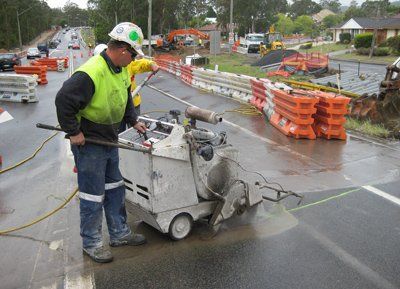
383,108
273,41
178,38
180,173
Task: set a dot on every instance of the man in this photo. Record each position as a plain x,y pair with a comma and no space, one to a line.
92,103
136,67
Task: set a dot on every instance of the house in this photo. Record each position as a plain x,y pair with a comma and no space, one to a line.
386,27
318,17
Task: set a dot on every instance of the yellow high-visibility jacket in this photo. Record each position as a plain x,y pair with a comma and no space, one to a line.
136,67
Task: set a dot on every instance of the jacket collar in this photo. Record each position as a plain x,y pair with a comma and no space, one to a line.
111,66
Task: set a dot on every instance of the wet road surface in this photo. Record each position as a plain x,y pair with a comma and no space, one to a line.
343,235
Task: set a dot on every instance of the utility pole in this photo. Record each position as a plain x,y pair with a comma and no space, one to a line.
19,27
374,36
149,28
230,28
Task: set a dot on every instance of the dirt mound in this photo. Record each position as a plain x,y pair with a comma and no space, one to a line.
275,56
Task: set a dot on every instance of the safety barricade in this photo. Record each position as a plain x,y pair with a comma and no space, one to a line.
229,84
18,88
186,74
53,64
330,115
293,114
40,71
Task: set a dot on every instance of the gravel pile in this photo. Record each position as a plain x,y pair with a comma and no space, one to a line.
274,56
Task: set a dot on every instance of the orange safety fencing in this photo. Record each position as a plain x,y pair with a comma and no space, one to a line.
305,63
40,71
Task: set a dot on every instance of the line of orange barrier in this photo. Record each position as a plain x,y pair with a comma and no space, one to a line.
41,71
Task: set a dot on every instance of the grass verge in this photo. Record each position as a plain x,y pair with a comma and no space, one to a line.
326,48
367,128
374,59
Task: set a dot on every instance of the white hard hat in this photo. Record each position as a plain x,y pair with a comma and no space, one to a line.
129,33
99,49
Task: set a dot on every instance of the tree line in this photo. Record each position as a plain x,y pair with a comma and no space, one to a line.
36,16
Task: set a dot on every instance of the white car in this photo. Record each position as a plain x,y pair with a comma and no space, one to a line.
33,52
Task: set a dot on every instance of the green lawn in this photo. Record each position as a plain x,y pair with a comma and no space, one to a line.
326,48
367,128
374,59
235,63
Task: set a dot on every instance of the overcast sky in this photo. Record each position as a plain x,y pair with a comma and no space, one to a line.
61,3
82,3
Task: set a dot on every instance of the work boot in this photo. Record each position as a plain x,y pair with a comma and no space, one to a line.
99,255
130,240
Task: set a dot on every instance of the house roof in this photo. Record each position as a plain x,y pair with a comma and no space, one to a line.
372,23
318,17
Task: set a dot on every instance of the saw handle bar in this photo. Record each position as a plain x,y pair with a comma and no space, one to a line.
96,141
280,194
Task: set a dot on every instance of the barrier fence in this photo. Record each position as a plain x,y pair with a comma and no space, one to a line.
18,88
40,71
296,113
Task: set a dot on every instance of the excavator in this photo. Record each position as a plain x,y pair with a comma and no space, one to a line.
383,108
176,38
272,41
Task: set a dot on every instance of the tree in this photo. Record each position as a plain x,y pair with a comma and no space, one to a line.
373,8
211,13
304,7
263,12
352,12
284,24
332,20
333,5
305,25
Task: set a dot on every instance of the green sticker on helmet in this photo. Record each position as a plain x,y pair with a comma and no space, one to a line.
134,36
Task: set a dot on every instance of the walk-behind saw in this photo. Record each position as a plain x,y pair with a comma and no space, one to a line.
180,173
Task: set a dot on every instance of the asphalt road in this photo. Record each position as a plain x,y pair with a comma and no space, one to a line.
343,235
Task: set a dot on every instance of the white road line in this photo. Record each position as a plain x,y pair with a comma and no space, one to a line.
382,194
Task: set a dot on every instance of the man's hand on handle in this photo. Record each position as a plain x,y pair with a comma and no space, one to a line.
78,139
140,127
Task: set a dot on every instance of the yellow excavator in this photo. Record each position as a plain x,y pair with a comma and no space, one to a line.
272,41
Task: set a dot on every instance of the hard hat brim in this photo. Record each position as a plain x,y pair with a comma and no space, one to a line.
139,51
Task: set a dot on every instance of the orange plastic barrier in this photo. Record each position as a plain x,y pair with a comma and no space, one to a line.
186,73
289,128
259,94
41,71
330,115
293,113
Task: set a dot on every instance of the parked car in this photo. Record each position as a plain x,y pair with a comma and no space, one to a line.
43,48
70,44
76,45
33,52
8,60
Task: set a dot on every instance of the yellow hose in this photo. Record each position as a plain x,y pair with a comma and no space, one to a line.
246,109
29,158
9,230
